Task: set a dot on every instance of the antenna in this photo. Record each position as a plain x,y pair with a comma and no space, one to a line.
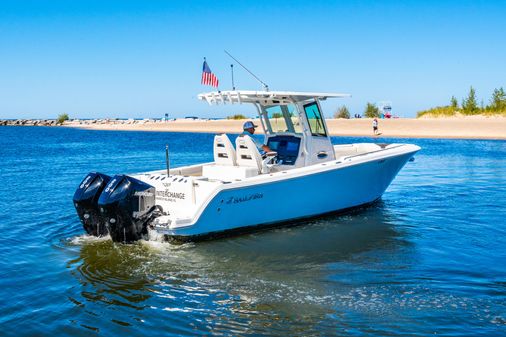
232,69
266,87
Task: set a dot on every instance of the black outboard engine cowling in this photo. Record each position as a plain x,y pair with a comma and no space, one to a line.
86,203
128,205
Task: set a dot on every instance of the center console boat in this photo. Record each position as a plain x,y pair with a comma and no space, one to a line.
305,176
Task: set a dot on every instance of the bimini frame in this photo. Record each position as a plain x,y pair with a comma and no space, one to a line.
265,98
262,99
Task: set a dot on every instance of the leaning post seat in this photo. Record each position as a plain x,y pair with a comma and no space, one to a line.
247,153
225,166
249,156
224,153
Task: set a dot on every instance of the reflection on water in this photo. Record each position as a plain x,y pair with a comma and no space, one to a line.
305,280
235,284
113,273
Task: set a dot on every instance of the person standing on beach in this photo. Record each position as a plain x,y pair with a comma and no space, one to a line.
375,126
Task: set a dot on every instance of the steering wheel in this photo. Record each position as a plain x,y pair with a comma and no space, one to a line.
273,156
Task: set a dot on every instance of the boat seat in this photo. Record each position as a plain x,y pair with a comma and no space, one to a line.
249,156
225,162
247,152
224,152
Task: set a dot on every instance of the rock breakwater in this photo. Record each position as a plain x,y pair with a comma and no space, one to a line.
74,122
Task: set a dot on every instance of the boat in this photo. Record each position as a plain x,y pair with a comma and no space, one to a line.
302,176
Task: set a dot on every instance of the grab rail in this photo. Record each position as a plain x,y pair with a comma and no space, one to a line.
363,154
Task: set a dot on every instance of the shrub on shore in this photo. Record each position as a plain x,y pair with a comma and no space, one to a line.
237,116
62,118
470,106
342,112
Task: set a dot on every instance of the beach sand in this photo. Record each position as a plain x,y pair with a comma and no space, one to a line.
474,127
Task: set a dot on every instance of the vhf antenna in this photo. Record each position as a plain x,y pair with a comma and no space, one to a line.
232,69
266,87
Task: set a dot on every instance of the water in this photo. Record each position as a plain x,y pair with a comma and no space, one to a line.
429,258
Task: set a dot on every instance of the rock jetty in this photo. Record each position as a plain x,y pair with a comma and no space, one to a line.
74,122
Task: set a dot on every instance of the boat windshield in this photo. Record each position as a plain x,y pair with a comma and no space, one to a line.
282,118
315,119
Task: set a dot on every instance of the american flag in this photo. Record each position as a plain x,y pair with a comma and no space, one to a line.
208,78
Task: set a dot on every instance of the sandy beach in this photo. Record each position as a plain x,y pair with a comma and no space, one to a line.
475,127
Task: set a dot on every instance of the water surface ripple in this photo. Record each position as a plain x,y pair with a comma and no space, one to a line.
427,259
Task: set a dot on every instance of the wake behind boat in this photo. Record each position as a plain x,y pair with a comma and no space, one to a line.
303,176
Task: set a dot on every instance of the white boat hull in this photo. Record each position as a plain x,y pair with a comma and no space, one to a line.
332,189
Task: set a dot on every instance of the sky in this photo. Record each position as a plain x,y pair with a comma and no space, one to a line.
140,59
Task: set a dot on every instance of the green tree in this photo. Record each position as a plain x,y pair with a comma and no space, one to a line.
277,115
342,112
498,100
62,118
469,105
454,103
371,111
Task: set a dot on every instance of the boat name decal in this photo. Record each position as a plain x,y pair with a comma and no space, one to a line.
171,195
236,200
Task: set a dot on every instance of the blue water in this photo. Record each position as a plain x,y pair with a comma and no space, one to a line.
428,259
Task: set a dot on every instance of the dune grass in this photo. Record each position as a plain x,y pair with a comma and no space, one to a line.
469,106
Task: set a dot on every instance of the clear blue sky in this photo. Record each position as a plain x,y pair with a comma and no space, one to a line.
144,58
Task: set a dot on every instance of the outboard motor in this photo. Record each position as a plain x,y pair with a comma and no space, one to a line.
128,205
86,203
